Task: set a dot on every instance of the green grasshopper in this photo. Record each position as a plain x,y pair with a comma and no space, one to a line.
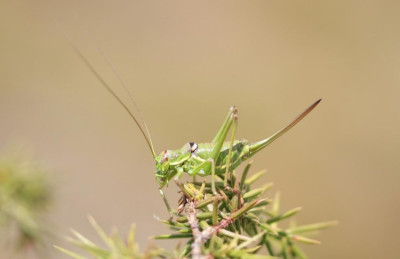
217,158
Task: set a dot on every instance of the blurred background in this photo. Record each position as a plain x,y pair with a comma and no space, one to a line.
186,63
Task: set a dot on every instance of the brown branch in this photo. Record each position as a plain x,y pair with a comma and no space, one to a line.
200,237
208,232
197,236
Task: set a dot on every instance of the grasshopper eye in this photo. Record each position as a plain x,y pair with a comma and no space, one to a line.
193,147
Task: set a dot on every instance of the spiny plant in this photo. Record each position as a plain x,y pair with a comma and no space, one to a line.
117,247
232,221
25,196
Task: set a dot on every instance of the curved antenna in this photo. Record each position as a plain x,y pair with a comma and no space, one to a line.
106,86
123,84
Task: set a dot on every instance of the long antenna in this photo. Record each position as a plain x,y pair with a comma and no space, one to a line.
104,83
121,81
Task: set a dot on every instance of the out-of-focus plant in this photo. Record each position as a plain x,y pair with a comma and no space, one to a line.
117,248
25,196
232,222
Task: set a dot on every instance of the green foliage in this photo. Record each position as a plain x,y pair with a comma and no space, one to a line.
234,221
24,198
116,247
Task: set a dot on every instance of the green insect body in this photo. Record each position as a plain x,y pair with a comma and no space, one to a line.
198,159
171,163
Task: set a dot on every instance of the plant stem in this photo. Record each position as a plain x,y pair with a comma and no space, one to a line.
197,236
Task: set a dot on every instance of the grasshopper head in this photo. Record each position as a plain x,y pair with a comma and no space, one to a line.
170,162
163,168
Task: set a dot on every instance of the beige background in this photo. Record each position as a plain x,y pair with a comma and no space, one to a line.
186,62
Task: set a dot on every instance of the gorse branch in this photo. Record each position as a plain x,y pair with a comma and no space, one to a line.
234,221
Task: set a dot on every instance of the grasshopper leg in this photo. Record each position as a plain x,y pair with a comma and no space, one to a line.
179,174
210,160
219,140
232,110
228,163
222,134
170,211
204,165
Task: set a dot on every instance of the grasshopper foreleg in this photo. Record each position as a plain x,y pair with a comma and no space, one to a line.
170,211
